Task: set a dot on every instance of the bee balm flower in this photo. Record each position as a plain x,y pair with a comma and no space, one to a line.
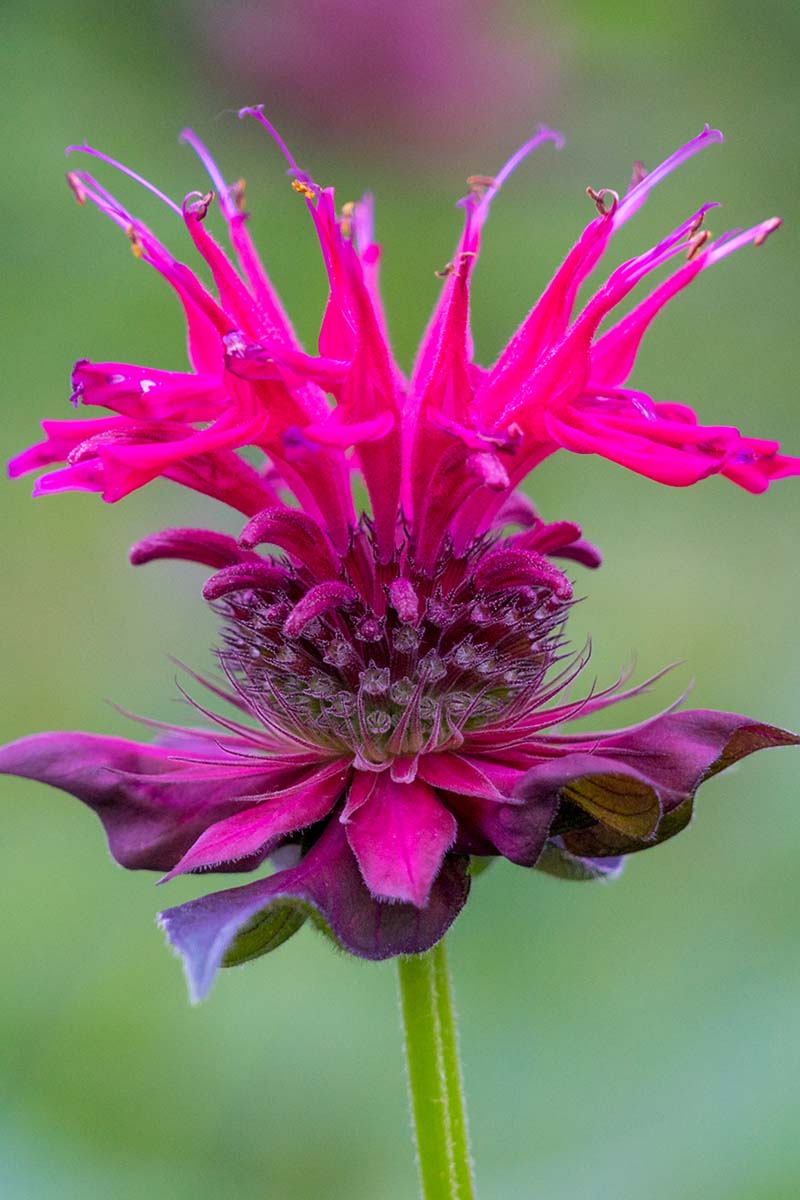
396,678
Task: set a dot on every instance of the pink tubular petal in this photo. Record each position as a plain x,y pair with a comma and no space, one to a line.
613,354
193,545
456,480
550,317
206,322
333,433
633,201
404,599
754,465
508,567
145,183
476,212
298,535
62,438
400,837
320,599
143,393
273,316
257,575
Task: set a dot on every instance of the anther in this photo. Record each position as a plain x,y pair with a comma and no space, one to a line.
201,206
77,188
346,222
133,238
479,183
303,189
600,201
638,173
766,229
447,270
696,244
237,194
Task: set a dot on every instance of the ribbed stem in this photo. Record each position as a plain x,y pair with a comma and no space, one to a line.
434,1076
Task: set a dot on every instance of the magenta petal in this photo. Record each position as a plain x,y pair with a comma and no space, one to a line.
634,775
149,823
469,776
678,751
258,828
400,836
517,831
223,928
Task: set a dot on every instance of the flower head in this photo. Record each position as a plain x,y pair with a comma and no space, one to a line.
396,678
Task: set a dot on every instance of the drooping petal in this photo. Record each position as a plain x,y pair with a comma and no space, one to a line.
144,393
233,926
400,836
205,546
638,785
152,806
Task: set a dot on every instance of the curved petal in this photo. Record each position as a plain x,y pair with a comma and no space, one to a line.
639,786
233,926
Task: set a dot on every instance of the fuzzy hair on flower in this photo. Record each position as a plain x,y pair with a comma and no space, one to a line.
396,692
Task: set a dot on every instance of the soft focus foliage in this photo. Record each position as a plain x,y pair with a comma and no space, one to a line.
666,1006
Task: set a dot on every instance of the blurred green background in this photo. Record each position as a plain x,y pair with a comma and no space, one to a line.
639,1039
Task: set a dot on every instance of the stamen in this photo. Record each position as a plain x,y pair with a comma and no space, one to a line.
237,194
133,238
77,188
638,173
112,162
600,200
767,228
346,222
479,183
303,189
199,207
696,244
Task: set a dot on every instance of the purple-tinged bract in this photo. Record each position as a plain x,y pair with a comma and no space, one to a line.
396,679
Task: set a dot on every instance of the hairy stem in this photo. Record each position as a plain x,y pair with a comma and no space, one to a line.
434,1076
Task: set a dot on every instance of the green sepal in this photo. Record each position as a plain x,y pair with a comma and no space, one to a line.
563,865
622,802
600,842
267,930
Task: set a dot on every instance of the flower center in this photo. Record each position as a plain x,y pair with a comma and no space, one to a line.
412,670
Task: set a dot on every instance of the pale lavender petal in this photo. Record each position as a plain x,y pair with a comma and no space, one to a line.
224,928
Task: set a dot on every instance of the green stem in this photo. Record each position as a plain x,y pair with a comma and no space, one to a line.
434,1076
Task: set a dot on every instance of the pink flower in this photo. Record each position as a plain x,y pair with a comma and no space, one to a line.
408,76
396,679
